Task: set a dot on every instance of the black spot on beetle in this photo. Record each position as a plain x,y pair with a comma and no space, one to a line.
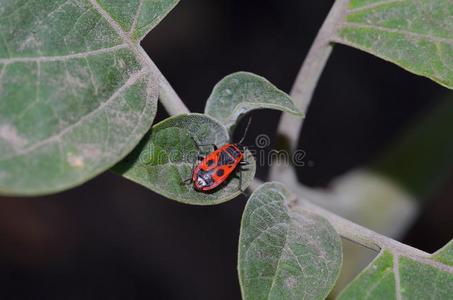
220,172
225,159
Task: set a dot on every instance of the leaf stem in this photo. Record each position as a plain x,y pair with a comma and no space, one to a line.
347,229
366,237
170,99
359,234
310,72
167,95
356,233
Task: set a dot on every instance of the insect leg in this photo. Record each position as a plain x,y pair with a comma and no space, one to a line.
197,158
202,145
244,161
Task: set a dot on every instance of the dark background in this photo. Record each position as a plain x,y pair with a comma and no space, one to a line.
113,239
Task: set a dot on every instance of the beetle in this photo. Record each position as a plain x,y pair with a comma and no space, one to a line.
219,165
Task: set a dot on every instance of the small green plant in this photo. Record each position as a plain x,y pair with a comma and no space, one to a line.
78,96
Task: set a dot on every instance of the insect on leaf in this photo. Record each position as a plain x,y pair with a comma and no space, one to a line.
165,158
285,254
414,34
77,91
239,93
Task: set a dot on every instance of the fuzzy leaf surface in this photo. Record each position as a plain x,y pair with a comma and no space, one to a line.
285,254
76,91
165,158
414,34
402,276
242,92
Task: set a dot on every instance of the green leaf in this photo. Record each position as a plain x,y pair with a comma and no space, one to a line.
77,93
414,34
445,255
376,282
239,93
165,157
404,276
285,254
138,17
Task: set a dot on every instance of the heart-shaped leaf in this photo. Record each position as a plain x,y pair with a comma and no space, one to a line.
416,35
165,158
285,254
239,93
404,276
77,91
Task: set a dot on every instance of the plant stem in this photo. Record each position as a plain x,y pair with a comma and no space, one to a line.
359,234
169,99
347,229
355,232
366,237
310,72
167,95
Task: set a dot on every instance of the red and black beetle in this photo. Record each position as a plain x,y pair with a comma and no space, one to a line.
219,165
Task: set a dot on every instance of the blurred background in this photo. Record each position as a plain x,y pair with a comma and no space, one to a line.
113,239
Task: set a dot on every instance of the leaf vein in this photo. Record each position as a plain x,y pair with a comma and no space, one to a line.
374,5
278,263
61,57
136,16
396,271
132,80
406,33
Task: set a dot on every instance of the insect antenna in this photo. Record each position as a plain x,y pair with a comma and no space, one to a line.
245,131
